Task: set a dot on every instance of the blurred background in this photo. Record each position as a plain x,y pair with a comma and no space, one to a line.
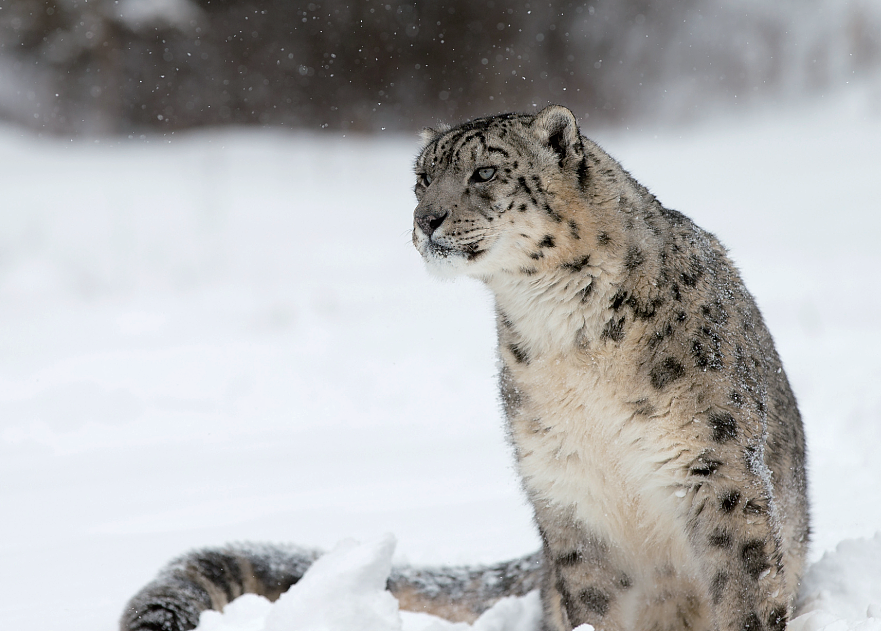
122,66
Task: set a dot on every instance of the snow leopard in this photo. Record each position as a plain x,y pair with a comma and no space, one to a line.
653,427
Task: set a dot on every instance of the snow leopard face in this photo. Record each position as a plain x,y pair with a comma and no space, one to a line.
492,192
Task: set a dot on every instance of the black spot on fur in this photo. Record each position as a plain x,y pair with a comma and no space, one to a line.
277,579
573,229
753,507
586,292
707,356
536,426
528,271
498,150
522,208
618,300
728,501
724,426
720,539
546,242
690,277
644,408
755,561
700,357
473,252
522,182
536,181
625,581
536,255
752,623
581,339
777,619
570,558
634,258
582,174
660,335
614,330
715,312
717,588
689,280
603,238
704,466
566,601
666,372
577,265
552,213
518,353
595,600
221,569
169,614
644,310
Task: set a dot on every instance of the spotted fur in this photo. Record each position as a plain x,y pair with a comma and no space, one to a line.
654,428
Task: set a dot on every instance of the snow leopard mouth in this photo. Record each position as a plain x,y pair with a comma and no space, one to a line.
470,251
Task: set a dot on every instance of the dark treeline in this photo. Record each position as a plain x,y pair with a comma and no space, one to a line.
106,66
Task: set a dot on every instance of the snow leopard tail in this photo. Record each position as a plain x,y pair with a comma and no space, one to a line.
212,577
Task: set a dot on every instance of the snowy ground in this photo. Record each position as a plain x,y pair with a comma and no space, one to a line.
228,336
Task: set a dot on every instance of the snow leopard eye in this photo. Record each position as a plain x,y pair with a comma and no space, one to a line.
425,178
484,174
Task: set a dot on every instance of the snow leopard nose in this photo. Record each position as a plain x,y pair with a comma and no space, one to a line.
429,219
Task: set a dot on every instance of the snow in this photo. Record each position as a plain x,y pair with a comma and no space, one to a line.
843,589
228,336
345,589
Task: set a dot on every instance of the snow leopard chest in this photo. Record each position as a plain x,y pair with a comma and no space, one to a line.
586,447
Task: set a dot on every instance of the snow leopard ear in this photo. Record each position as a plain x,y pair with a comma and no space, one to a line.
429,134
556,128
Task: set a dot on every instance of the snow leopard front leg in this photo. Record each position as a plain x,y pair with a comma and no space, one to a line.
734,533
739,584
583,581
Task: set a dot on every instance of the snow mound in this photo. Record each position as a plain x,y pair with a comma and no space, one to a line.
842,591
245,613
345,591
